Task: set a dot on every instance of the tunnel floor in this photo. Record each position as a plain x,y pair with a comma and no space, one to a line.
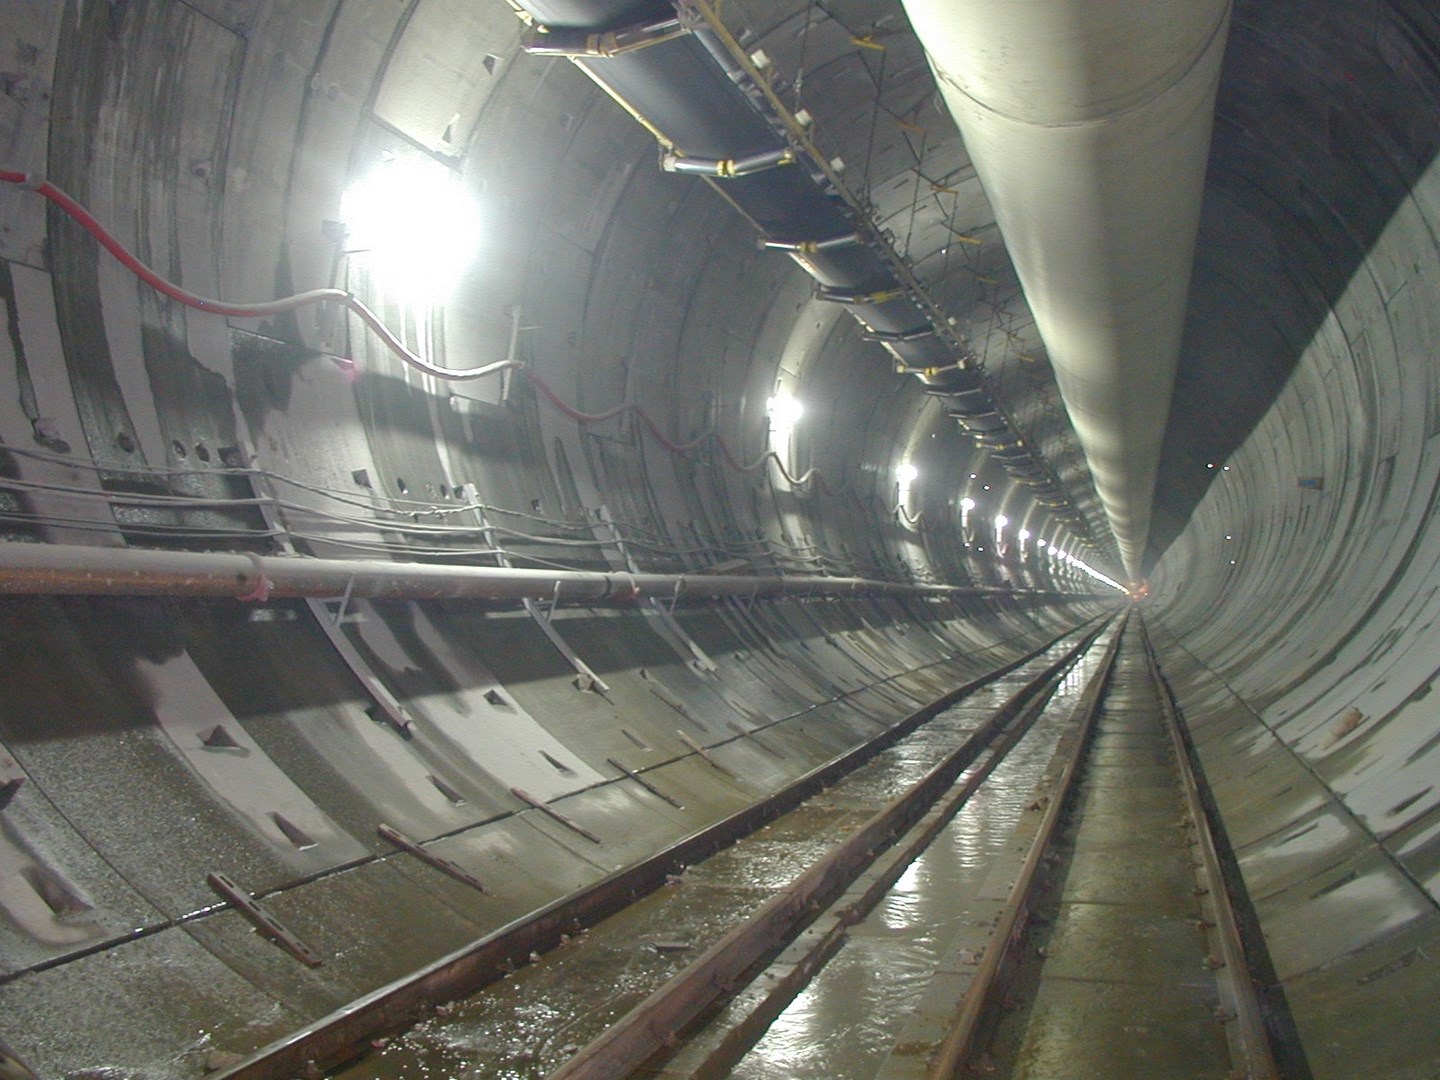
1111,973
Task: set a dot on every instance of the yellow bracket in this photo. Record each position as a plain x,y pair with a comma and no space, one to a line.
867,42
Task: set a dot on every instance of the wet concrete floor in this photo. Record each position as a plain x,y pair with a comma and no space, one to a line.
536,1018
1115,985
850,1018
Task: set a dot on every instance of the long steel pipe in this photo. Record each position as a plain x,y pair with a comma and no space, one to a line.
45,569
1089,126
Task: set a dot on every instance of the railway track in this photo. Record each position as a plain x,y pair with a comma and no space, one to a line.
941,910
730,913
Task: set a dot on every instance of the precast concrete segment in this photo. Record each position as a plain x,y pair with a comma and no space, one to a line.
1089,126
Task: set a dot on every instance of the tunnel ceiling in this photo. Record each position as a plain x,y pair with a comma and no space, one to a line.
572,209
1293,553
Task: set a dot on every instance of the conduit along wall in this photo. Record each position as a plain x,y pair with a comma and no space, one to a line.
1089,126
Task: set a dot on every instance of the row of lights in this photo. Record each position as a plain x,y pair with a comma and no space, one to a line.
417,224
784,411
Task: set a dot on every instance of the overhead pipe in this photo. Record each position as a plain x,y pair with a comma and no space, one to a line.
1089,127
811,247
561,41
71,569
726,167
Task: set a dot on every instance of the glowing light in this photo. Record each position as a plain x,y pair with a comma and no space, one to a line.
1001,521
967,504
906,474
1025,535
1040,542
418,229
785,412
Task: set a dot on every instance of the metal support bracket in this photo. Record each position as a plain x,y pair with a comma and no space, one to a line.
267,924
587,679
548,810
429,858
344,601
646,784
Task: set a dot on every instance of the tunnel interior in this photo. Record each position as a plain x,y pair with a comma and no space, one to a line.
669,397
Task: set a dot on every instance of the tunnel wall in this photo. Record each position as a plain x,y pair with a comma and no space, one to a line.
1299,603
156,742
217,137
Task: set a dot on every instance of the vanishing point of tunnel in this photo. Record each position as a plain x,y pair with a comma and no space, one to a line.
770,538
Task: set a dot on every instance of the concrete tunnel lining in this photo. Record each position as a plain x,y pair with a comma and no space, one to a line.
217,137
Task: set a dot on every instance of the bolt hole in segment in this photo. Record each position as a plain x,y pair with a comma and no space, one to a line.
719,922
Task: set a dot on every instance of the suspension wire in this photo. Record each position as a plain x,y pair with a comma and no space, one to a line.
879,81
804,42
915,195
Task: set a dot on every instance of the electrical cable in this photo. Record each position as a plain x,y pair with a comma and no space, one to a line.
259,310
392,341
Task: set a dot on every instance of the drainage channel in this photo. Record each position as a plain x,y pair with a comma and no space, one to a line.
919,943
588,1007
1115,952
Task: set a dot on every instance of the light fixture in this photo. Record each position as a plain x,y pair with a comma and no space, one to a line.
414,223
1025,535
784,411
966,505
1001,521
904,476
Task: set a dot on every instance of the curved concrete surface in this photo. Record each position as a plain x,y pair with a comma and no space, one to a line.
146,743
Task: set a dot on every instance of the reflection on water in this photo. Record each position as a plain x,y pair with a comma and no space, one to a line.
529,1023
853,1013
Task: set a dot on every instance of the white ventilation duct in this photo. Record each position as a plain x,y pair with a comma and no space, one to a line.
1089,125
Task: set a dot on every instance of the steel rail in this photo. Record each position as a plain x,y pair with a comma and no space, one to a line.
1241,1012
800,966
982,998
720,970
345,1033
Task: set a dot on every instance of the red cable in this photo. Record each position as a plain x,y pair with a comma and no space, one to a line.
88,222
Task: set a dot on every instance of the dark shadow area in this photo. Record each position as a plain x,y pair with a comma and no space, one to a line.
1328,113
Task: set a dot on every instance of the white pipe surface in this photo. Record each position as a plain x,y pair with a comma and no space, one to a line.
1088,122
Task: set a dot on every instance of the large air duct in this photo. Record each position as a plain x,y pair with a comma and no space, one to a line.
1089,126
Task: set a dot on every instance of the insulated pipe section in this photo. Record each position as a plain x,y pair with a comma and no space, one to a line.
51,569
1089,126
